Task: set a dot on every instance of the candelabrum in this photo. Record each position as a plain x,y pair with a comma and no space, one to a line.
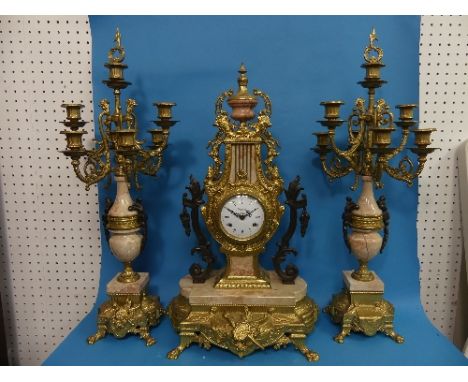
118,151
361,307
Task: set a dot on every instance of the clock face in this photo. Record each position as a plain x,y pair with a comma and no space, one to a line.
242,216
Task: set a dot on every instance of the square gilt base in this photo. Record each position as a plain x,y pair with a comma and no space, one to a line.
243,320
360,307
128,310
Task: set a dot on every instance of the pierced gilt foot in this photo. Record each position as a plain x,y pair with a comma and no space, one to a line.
340,337
185,342
394,336
299,343
101,333
144,335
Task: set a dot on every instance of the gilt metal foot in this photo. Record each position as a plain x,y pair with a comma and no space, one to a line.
393,335
186,340
299,342
146,336
101,333
342,335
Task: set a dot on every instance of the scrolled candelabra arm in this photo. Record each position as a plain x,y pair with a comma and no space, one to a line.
290,273
358,118
335,169
93,169
199,275
401,146
349,154
149,161
406,170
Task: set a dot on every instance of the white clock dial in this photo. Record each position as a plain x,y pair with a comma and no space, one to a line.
242,216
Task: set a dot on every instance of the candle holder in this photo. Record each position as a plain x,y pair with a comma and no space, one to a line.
361,306
119,152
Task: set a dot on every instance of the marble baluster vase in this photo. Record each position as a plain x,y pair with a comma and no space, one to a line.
360,307
129,309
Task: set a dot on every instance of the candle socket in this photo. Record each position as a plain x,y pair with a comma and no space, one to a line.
125,139
73,112
406,111
323,139
332,109
382,136
158,137
373,70
422,137
164,109
74,139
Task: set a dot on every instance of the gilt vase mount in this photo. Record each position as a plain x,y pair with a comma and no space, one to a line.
360,307
119,153
243,307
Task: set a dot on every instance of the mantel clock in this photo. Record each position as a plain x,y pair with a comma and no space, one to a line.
243,307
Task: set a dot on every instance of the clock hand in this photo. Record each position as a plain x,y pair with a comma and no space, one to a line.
249,213
241,217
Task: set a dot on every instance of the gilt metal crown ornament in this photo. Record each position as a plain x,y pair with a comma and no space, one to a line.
119,152
368,155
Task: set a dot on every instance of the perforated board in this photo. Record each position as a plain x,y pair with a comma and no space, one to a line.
443,100
49,228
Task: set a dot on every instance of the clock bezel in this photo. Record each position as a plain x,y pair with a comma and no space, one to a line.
235,238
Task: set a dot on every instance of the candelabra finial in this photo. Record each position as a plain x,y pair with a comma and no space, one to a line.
372,37
372,49
117,53
117,38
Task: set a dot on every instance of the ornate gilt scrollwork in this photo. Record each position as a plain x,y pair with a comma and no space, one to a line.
243,329
289,274
198,274
369,132
117,149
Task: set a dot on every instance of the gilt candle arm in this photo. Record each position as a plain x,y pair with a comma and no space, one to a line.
336,169
405,170
400,147
346,154
149,161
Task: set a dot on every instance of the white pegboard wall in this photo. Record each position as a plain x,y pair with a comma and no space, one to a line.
49,229
443,105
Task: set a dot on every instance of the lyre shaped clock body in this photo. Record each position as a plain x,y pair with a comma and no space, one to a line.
242,307
242,211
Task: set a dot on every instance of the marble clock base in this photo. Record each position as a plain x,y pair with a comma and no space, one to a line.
243,320
360,307
128,310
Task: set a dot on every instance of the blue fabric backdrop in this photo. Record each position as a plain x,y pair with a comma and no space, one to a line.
298,61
